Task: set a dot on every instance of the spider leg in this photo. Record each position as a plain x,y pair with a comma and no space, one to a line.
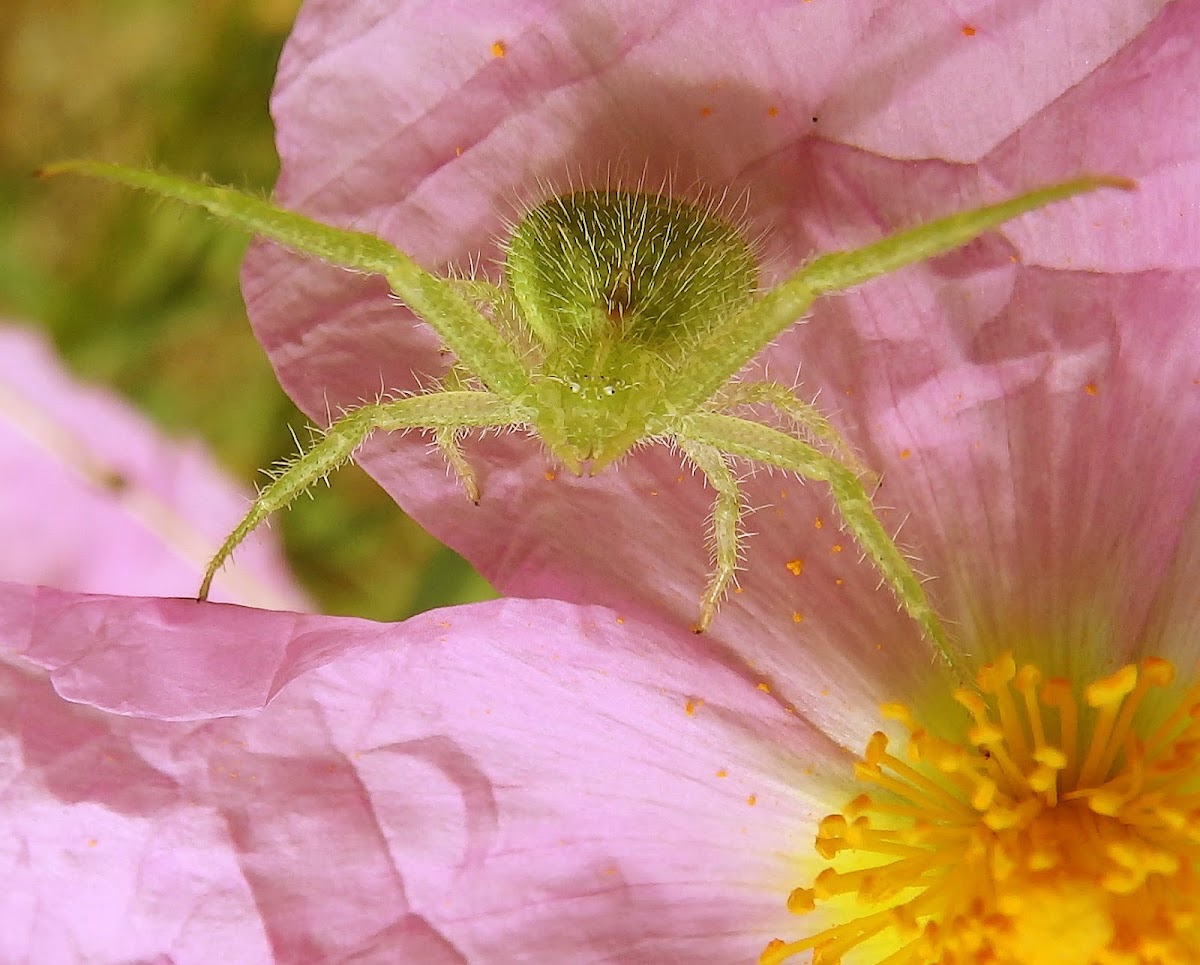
750,440
727,513
447,437
447,441
503,312
471,337
729,346
812,424
439,411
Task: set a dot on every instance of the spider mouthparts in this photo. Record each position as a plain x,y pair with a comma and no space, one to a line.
598,464
572,465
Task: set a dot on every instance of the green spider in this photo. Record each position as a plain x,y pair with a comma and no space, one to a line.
624,318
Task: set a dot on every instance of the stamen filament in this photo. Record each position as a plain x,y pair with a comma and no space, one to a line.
1057,693
936,795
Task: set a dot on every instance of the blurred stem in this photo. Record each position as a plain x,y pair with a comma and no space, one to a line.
142,297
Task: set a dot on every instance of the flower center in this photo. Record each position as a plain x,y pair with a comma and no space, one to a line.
1057,832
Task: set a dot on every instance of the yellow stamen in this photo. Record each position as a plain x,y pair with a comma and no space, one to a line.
1059,832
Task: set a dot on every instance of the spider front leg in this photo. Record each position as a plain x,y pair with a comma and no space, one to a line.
750,440
440,411
727,514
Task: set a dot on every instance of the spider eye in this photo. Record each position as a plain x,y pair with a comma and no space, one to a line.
574,387
610,390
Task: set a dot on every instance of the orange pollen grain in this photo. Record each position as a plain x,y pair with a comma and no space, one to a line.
1059,826
968,30
499,48
796,566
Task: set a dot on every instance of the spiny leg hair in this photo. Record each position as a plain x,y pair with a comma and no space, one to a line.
449,411
726,515
806,417
751,440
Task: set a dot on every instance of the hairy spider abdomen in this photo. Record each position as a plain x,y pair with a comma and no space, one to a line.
642,268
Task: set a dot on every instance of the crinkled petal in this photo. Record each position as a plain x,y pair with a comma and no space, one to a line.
440,126
170,659
1032,400
389,793
94,498
512,780
957,80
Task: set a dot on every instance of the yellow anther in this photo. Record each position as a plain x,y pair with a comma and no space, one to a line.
948,758
1160,673
856,832
1057,691
993,676
1113,689
1042,778
974,703
1003,818
984,795
1107,803
985,735
1050,757
876,748
830,883
1027,679
897,712
801,900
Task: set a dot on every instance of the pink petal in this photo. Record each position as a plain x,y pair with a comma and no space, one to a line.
93,498
957,80
436,134
1033,404
481,784
170,659
1113,122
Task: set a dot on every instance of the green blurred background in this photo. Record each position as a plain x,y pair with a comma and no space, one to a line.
143,297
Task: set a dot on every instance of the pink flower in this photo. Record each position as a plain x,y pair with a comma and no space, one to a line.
365,812
536,780
492,783
94,499
939,372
